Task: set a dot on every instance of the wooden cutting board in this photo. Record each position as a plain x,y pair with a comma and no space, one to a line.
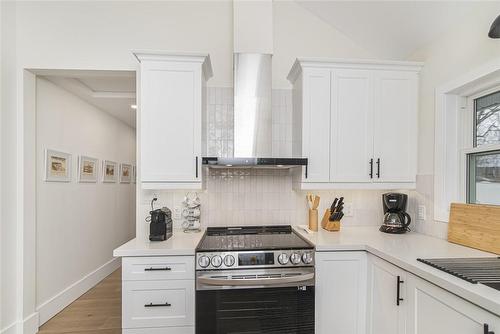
476,226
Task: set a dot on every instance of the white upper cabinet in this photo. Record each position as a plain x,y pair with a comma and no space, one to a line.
170,110
358,129
351,125
316,124
395,144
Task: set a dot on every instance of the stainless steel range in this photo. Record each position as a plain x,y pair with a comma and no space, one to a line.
257,279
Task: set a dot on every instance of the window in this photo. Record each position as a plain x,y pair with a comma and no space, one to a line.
483,160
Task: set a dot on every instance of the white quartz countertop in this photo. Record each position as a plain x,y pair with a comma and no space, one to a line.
403,250
179,244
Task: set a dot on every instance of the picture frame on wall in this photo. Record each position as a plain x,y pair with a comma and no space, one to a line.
125,173
57,166
134,173
88,169
109,171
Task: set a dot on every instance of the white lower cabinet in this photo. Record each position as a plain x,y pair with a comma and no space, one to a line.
386,297
432,310
359,293
158,295
340,292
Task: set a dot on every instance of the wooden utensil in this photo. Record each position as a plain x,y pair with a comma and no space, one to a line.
316,202
476,226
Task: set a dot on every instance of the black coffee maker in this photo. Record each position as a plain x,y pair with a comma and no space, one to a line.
396,220
160,226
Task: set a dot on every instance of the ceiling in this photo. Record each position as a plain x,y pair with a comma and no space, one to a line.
109,91
391,29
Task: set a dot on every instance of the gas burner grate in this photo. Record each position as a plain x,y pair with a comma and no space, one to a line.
473,270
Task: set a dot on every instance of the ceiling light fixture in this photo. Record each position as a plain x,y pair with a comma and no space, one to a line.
495,28
133,106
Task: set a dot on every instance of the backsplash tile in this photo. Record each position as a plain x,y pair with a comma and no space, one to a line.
265,196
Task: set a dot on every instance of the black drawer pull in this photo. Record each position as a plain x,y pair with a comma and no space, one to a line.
158,269
487,329
398,291
157,305
371,169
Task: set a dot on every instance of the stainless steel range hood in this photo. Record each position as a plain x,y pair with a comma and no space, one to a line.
253,116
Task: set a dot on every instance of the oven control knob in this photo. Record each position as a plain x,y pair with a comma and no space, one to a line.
307,258
216,261
295,258
228,260
283,258
203,261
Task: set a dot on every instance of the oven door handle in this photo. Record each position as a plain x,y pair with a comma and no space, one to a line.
254,281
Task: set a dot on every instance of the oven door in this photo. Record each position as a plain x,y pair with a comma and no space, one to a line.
270,301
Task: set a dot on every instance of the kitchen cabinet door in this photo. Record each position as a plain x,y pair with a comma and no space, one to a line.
352,126
395,126
340,292
316,124
384,315
170,116
432,310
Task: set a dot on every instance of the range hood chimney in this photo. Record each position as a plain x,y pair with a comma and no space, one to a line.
252,74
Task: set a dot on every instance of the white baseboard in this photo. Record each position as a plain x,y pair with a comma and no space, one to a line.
30,324
57,303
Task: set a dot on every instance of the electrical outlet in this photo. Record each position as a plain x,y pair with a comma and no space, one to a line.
421,214
177,213
348,210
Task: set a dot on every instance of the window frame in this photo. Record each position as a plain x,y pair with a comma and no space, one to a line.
468,128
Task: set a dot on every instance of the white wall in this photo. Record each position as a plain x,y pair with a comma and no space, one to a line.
9,302
78,224
463,48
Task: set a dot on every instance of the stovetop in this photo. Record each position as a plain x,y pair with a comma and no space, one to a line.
243,238
474,270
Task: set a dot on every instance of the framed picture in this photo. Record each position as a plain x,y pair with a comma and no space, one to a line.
57,166
125,173
87,169
134,173
109,171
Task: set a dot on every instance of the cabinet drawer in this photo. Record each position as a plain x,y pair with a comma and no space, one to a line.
158,303
157,268
159,330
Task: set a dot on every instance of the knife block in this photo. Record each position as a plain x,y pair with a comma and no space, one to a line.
328,225
313,220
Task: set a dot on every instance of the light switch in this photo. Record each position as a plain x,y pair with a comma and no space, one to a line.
421,215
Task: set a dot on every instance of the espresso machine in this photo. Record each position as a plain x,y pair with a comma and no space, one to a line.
396,219
160,223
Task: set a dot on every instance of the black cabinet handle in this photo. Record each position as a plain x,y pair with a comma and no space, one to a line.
158,269
306,172
371,168
196,161
487,329
378,168
157,305
398,291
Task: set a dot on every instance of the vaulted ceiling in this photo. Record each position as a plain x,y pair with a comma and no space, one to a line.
393,29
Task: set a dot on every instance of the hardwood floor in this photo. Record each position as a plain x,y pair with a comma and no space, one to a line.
98,311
